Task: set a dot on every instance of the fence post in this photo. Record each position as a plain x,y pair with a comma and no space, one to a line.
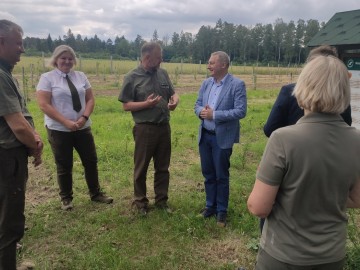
24,84
254,77
43,60
32,75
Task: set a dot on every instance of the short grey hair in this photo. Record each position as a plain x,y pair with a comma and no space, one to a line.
7,27
59,50
223,57
323,85
323,50
149,47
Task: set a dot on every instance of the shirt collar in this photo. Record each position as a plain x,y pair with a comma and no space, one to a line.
62,74
222,80
148,72
313,117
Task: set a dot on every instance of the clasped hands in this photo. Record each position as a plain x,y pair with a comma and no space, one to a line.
75,125
206,113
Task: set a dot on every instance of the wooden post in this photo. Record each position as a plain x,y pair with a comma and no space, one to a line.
43,61
32,75
24,84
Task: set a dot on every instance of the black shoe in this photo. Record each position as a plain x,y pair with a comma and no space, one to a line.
102,198
206,212
221,219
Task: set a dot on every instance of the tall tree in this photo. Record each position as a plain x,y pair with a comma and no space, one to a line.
69,39
242,37
289,46
155,36
269,53
228,38
138,42
279,37
311,29
257,37
49,44
202,43
122,46
299,41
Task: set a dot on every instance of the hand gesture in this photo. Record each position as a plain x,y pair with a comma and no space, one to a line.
152,100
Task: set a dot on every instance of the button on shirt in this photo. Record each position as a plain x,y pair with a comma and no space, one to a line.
213,98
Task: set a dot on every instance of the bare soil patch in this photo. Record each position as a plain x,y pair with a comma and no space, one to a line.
41,186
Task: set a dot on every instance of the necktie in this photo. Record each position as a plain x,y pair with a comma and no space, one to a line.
74,95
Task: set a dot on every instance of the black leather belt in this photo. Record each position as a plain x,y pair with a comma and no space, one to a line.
211,132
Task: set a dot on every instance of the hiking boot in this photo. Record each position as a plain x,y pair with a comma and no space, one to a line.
66,204
102,198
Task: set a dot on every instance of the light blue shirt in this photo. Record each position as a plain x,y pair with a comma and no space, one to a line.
213,98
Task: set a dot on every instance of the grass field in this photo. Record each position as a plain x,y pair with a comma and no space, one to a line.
94,236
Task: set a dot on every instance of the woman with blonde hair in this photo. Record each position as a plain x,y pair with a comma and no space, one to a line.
308,175
66,98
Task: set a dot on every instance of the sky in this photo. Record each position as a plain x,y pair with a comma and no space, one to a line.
129,18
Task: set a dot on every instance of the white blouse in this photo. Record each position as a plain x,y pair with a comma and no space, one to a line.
55,82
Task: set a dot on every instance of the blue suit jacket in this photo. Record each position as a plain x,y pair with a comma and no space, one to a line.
230,108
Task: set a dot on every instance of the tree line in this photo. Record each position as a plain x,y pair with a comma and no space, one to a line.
279,43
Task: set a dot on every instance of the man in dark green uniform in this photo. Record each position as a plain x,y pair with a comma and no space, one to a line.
18,140
149,94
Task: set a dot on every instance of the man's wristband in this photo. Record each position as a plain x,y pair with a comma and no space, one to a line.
86,117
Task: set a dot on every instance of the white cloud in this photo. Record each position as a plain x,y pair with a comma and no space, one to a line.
109,19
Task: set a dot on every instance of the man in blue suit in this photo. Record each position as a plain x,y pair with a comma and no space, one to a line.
220,105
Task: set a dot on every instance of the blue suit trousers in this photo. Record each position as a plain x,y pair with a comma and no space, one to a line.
215,164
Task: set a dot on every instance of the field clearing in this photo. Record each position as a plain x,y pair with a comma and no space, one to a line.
111,237
106,76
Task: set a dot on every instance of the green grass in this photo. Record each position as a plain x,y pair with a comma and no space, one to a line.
94,236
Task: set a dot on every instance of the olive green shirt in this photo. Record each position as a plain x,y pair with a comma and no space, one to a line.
11,101
139,84
315,163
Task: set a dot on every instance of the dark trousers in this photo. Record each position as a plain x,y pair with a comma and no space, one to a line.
215,164
267,262
151,142
13,177
62,145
